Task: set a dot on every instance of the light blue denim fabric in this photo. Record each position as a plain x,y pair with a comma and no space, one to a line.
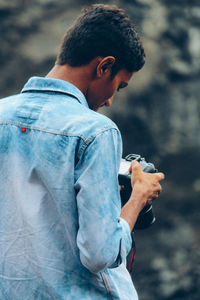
60,232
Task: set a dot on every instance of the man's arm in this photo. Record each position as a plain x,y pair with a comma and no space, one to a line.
104,235
102,239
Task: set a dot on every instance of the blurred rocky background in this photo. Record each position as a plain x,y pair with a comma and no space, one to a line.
158,115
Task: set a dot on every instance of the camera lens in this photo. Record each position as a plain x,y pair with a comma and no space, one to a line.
146,218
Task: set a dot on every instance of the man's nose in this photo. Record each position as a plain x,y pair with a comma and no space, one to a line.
109,101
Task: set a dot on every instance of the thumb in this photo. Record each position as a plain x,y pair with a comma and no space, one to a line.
135,167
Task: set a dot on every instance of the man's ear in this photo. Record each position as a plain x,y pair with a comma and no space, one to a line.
105,65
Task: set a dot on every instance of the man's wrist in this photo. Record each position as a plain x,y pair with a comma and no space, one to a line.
137,200
130,212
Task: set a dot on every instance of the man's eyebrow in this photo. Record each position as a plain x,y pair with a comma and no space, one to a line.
122,85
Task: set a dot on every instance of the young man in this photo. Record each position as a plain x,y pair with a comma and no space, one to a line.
63,232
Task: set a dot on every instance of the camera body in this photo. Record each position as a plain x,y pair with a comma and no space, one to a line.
146,217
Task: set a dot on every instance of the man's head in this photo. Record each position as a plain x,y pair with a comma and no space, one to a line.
104,34
102,30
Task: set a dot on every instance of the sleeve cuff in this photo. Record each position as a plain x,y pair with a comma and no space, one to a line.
126,243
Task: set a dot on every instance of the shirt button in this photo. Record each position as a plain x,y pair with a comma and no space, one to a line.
23,129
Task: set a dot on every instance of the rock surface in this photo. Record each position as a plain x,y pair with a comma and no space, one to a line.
158,115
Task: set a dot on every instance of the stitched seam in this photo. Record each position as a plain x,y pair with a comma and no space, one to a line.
51,90
88,141
27,115
56,132
42,107
106,285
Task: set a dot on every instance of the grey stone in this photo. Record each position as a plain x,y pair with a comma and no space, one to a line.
4,4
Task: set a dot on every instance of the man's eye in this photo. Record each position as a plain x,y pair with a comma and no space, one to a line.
122,86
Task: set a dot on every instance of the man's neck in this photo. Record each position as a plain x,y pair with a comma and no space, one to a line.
79,76
74,75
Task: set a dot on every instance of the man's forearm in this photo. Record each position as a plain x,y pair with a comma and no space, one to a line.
131,210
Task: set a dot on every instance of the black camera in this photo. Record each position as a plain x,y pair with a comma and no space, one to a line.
146,217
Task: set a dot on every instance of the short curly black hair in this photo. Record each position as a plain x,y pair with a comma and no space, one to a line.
102,30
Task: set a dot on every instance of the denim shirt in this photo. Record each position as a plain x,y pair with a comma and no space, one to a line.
61,235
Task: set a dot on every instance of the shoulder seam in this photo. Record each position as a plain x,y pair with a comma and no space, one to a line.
88,141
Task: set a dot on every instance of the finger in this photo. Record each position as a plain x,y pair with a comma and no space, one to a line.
159,189
157,192
160,176
152,198
155,195
135,167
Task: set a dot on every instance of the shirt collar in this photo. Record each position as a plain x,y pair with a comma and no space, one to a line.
54,85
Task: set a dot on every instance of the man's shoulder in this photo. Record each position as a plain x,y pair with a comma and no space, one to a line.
102,120
93,123
61,114
7,105
7,100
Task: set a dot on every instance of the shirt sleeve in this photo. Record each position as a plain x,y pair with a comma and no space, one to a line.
103,239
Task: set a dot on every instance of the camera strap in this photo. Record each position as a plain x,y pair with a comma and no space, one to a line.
131,255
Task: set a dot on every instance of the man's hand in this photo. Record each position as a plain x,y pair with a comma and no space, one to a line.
145,188
145,185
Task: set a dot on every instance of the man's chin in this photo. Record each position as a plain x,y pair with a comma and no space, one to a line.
96,108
